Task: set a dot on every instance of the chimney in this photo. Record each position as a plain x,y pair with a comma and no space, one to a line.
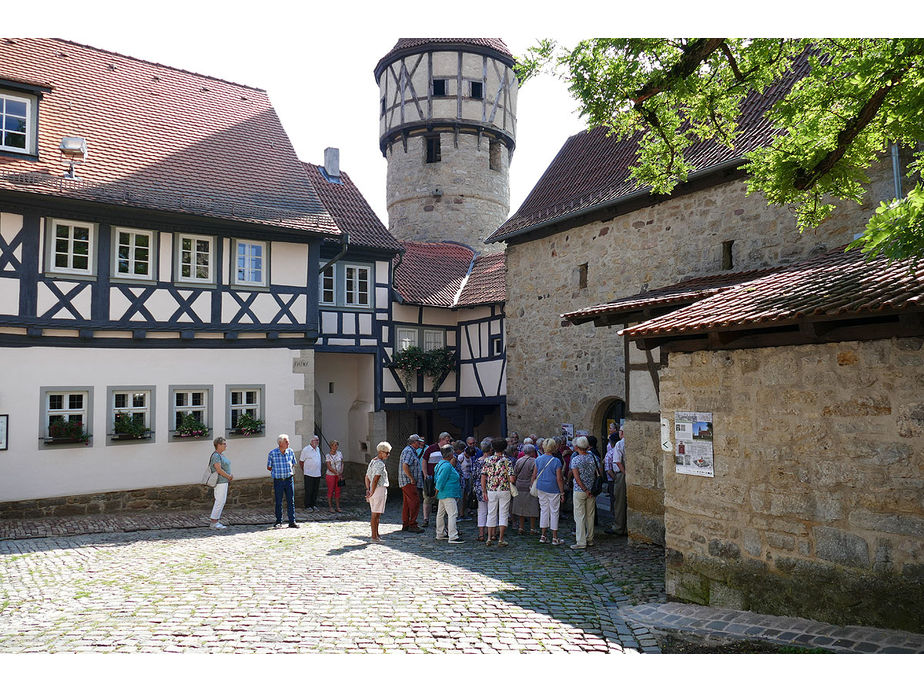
332,162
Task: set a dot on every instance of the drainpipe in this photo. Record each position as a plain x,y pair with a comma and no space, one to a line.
344,244
896,172
394,271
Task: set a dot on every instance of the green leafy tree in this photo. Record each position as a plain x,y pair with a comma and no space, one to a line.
858,97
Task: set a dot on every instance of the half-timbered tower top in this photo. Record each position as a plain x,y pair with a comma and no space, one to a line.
447,125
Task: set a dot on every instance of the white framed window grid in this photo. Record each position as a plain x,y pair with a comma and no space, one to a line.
63,406
134,253
406,337
433,339
244,401
192,402
72,245
250,263
194,258
327,286
356,280
136,404
17,114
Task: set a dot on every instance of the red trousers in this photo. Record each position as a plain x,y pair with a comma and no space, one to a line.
410,507
333,491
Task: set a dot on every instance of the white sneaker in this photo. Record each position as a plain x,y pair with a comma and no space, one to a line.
217,525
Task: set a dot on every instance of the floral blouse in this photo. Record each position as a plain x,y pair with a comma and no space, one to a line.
498,469
335,461
477,465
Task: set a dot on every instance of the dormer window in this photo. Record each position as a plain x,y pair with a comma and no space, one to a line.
17,123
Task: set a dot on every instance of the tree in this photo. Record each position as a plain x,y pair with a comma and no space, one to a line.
857,97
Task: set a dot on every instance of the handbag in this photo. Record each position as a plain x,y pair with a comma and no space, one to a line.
210,478
341,482
597,487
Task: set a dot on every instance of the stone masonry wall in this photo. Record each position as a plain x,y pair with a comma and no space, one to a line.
817,505
475,199
560,372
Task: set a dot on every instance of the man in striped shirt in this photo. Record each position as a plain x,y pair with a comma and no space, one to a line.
279,463
409,476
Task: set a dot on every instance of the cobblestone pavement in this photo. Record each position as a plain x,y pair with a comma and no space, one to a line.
320,588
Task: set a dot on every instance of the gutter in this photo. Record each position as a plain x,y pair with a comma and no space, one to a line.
896,172
630,197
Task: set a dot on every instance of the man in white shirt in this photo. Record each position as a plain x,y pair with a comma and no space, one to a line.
310,462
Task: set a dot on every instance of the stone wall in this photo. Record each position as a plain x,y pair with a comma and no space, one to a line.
817,505
474,199
640,250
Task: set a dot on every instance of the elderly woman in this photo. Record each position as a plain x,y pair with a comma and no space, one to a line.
551,488
480,496
376,482
496,478
583,472
222,466
334,472
525,505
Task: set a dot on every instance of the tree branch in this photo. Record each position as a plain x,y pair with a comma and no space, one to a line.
693,54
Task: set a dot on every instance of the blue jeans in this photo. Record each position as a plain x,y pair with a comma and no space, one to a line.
284,486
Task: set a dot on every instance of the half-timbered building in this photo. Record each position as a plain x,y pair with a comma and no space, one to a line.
159,243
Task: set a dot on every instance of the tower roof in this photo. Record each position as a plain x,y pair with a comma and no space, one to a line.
407,46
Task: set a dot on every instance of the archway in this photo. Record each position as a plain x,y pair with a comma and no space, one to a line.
611,410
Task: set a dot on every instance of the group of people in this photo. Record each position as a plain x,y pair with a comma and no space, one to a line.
500,478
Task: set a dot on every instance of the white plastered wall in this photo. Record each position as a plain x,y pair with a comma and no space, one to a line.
345,411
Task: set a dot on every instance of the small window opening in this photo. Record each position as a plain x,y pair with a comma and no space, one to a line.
439,87
433,149
494,151
582,276
727,258
330,388
477,90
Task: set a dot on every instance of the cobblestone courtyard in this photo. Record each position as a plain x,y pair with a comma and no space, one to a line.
320,588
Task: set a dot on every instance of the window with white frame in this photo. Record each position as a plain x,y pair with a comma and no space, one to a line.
66,414
194,403
131,412
244,401
194,259
433,339
356,280
72,244
406,337
17,123
134,254
250,265
327,286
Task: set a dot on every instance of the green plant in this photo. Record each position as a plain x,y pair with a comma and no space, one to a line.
248,425
67,429
435,363
191,427
126,425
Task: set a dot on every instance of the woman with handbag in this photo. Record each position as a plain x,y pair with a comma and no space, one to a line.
334,475
550,488
525,504
220,465
584,473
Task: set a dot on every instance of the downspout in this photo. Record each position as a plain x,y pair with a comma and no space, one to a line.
896,172
394,271
344,245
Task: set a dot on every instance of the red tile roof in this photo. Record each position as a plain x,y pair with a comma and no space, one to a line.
592,170
430,274
487,282
682,293
350,210
407,46
835,285
158,138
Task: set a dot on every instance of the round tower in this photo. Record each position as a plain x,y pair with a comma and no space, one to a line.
447,126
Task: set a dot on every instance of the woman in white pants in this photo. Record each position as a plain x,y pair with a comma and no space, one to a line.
551,489
221,464
496,478
583,470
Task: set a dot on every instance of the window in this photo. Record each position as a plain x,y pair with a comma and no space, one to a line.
357,285
250,263
439,87
194,259
582,276
433,149
327,285
407,337
65,415
244,401
134,254
17,123
476,90
190,404
433,339
72,244
728,261
383,105
131,412
494,155
497,345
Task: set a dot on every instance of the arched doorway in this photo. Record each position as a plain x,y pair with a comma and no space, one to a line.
609,411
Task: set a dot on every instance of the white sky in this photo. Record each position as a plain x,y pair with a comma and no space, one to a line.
316,59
